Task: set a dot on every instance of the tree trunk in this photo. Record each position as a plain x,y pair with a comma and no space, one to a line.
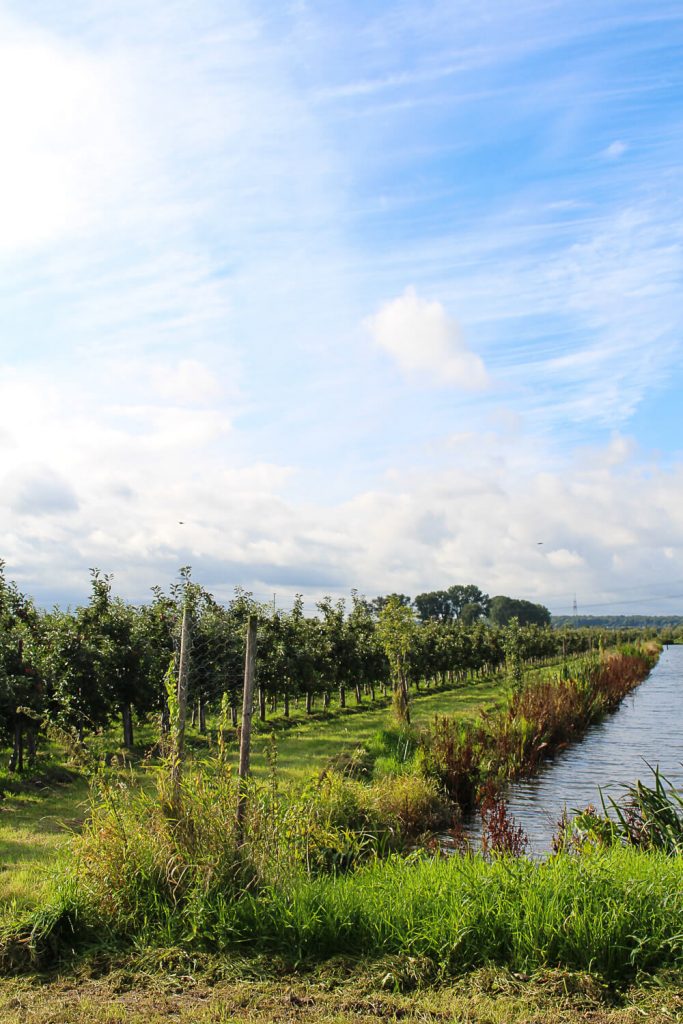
285,698
309,702
359,695
201,714
16,762
261,704
342,696
31,743
164,718
326,700
127,716
401,701
233,716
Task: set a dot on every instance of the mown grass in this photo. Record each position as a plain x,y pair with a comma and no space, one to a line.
309,746
211,991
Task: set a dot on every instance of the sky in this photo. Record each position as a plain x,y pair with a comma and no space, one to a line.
315,296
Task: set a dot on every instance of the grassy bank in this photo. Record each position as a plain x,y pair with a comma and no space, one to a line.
542,715
615,913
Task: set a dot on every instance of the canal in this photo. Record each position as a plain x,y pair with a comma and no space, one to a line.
646,729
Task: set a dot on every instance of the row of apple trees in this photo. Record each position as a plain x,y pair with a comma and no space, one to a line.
81,670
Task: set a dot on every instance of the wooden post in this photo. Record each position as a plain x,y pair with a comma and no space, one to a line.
183,674
127,716
245,732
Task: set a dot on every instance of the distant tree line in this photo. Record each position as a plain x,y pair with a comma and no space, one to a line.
618,621
467,604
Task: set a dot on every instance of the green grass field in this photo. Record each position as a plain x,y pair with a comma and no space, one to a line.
35,823
305,748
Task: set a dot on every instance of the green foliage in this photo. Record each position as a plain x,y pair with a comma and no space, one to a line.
502,609
396,630
647,817
466,603
83,669
512,645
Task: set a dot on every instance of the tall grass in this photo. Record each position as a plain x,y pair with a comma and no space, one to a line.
614,912
142,858
315,873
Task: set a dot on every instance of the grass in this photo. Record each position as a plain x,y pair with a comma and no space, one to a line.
307,747
36,818
172,918
173,869
36,813
206,992
614,913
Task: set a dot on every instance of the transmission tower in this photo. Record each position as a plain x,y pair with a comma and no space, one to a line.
575,609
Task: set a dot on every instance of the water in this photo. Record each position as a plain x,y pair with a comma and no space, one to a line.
646,729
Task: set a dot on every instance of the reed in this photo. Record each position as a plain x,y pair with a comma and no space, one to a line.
649,817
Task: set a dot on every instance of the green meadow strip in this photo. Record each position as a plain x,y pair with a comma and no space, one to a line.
616,913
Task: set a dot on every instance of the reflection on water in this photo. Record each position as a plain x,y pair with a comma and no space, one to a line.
647,729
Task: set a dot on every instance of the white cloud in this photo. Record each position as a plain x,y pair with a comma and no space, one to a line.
615,150
425,341
37,491
563,559
87,484
189,382
69,148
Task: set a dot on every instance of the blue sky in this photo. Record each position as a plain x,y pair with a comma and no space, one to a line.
373,296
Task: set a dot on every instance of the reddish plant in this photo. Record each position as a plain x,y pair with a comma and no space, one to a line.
500,834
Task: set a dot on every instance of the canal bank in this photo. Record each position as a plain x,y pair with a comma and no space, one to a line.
644,731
